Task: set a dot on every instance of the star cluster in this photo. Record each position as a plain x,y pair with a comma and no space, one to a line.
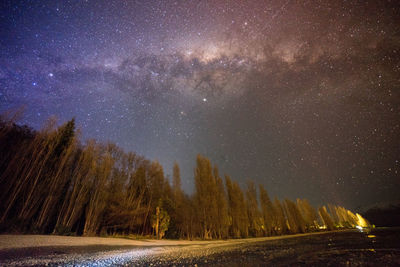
301,96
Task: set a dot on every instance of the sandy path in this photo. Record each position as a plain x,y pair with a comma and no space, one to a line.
25,241
39,250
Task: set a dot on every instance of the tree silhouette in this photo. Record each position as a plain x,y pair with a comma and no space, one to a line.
52,183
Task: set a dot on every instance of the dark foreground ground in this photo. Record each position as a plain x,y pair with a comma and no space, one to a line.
380,247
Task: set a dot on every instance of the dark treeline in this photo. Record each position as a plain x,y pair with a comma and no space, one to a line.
52,183
388,216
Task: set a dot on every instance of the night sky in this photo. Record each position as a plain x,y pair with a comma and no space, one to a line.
300,96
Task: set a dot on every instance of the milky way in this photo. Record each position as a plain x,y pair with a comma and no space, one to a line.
301,96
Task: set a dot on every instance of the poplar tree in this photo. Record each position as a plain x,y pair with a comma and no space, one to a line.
205,196
222,219
326,218
269,215
51,183
254,215
295,220
309,214
281,222
237,209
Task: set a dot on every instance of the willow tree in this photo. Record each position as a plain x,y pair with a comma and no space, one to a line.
160,221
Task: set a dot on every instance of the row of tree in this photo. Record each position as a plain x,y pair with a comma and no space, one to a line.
51,183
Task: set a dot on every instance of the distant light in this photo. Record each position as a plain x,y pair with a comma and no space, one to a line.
51,74
204,99
34,83
359,227
371,236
